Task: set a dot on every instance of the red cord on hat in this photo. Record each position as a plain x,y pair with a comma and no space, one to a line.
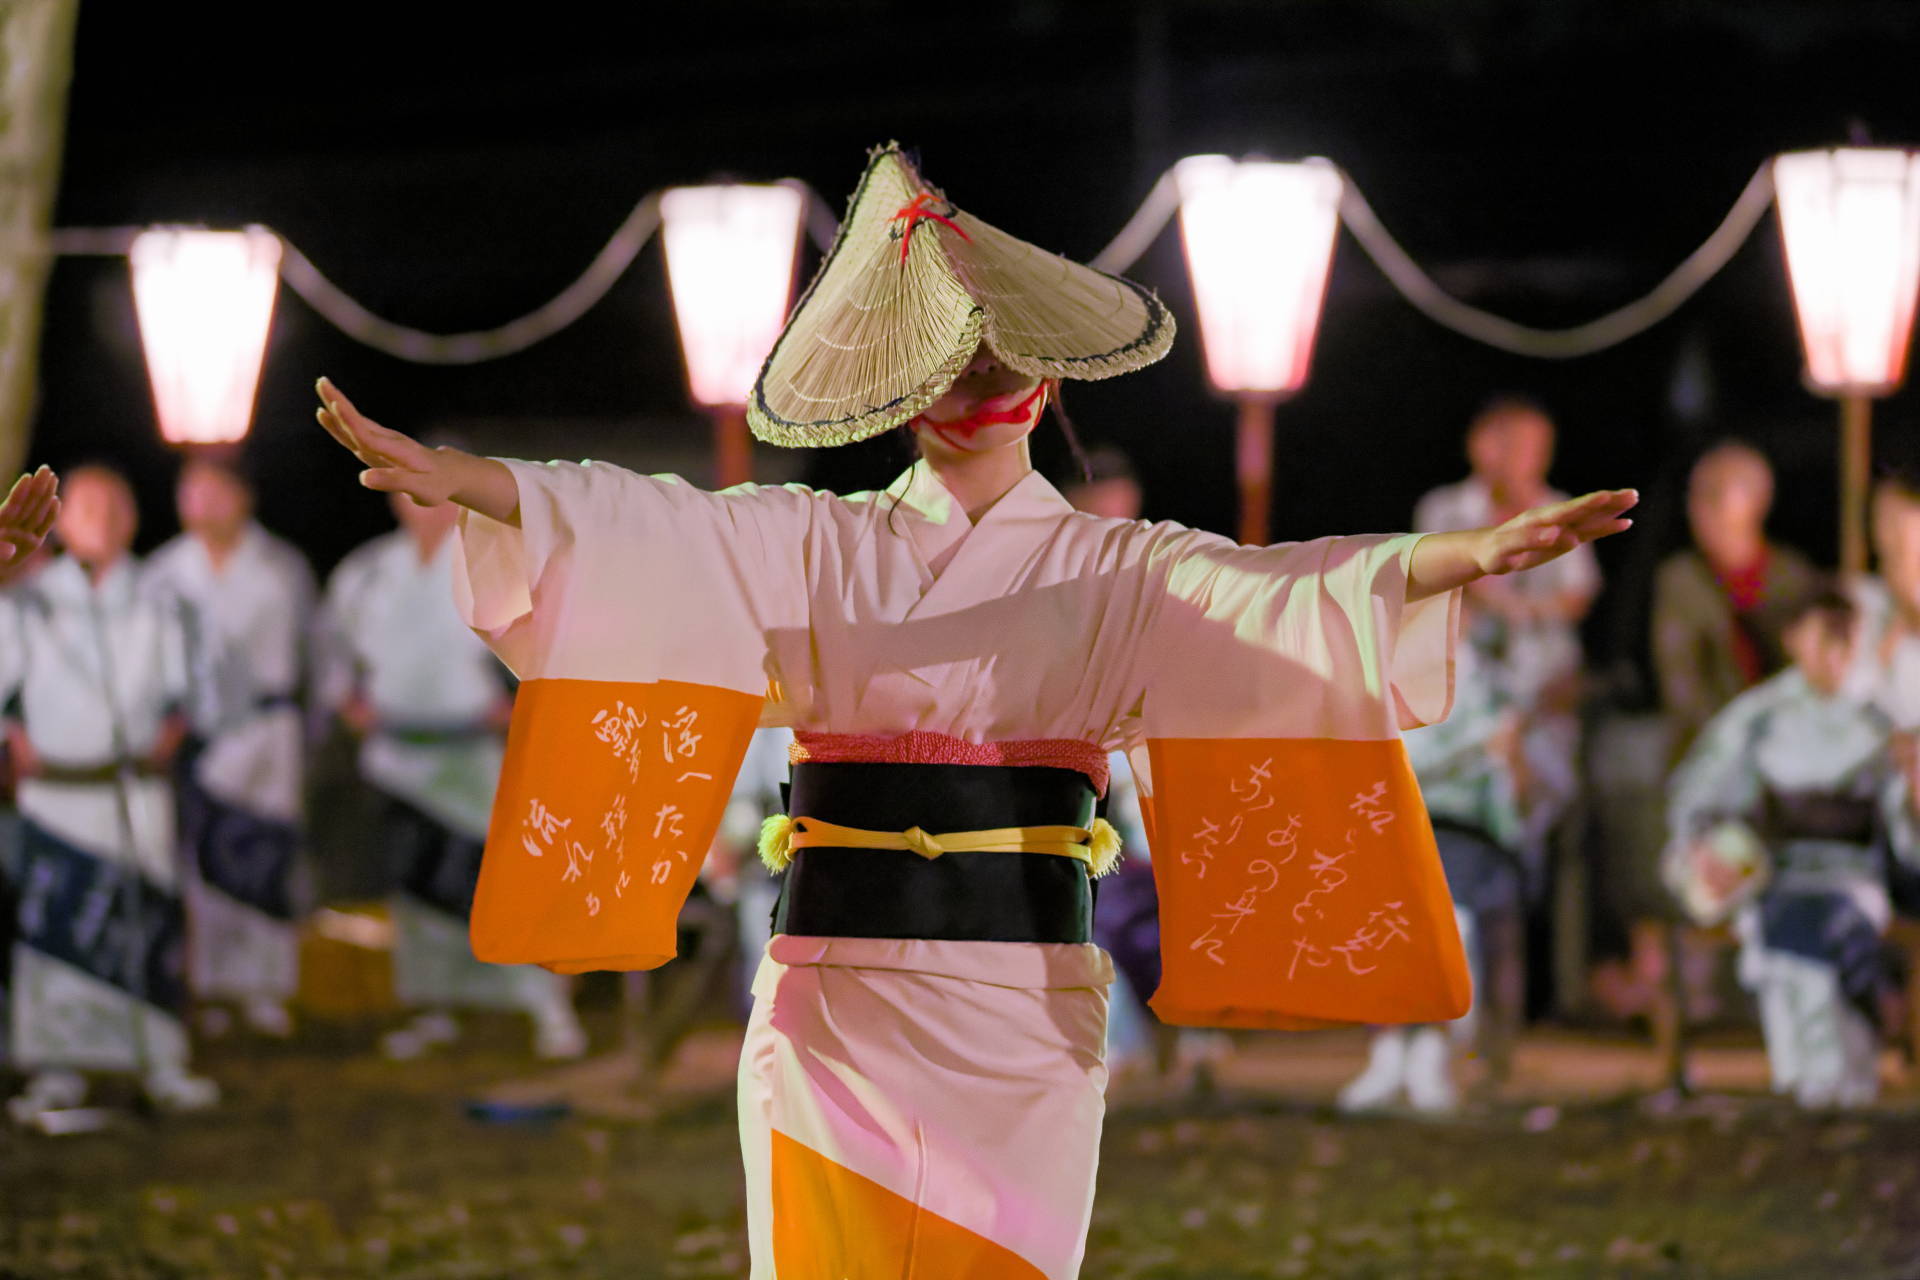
913,213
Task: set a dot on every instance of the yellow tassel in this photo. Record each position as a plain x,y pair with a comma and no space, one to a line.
1105,846
776,842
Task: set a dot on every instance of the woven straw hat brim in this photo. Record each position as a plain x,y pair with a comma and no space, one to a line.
875,340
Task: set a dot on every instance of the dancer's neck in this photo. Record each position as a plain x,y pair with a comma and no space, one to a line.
978,480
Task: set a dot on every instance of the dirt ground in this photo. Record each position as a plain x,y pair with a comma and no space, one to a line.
328,1162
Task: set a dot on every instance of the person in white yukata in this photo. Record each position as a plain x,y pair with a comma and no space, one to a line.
1781,815
94,676
1887,667
1530,621
250,596
1471,768
430,705
1886,674
26,518
921,1084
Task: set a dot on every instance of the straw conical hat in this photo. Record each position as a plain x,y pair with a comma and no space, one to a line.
910,289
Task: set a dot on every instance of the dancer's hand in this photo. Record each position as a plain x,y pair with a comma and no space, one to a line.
1534,537
397,463
26,517
1444,561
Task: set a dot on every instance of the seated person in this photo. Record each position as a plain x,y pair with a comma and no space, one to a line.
1779,816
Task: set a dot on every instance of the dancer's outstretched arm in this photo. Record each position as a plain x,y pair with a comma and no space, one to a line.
398,463
25,519
1443,561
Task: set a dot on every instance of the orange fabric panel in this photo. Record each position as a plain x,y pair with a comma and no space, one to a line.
609,798
829,1223
1299,887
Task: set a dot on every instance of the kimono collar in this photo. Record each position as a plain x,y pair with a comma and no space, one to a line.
66,582
922,494
246,548
938,522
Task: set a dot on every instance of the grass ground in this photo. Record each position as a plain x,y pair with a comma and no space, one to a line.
327,1162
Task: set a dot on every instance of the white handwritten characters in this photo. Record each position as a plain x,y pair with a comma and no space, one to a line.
677,738
539,827
578,858
1371,806
1205,839
593,904
668,820
1327,870
1385,925
620,885
619,727
1286,838
661,870
1313,955
613,824
1255,787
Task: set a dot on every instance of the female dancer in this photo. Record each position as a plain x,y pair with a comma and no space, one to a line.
921,1085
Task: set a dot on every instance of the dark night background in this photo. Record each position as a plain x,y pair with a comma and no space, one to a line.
1546,160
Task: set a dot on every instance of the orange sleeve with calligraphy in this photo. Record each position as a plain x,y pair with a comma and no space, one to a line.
1299,886
611,793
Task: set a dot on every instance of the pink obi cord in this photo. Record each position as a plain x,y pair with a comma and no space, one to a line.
921,747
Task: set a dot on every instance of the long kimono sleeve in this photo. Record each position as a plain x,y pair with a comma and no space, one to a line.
640,614
1298,876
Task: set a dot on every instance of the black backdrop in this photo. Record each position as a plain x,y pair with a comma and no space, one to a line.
1548,159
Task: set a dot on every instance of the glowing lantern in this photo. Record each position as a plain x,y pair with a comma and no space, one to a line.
205,302
1259,242
730,256
1850,220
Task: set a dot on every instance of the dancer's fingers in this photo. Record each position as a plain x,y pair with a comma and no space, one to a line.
337,429
390,480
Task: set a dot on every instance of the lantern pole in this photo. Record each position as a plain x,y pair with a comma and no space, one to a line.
1253,466
1856,454
732,445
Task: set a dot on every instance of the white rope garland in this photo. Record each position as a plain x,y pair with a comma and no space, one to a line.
1126,248
1611,329
421,347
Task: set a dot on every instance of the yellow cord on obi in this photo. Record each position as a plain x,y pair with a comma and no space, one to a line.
1098,847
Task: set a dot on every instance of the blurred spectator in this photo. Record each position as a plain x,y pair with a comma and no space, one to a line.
1887,670
95,670
250,597
1471,772
1529,623
1720,612
1887,673
1778,816
1720,607
430,704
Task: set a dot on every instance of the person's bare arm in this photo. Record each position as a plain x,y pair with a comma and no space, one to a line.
397,463
1444,561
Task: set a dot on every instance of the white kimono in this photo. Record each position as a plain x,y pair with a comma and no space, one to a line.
242,807
92,672
916,1105
1886,665
1533,656
390,633
1811,774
